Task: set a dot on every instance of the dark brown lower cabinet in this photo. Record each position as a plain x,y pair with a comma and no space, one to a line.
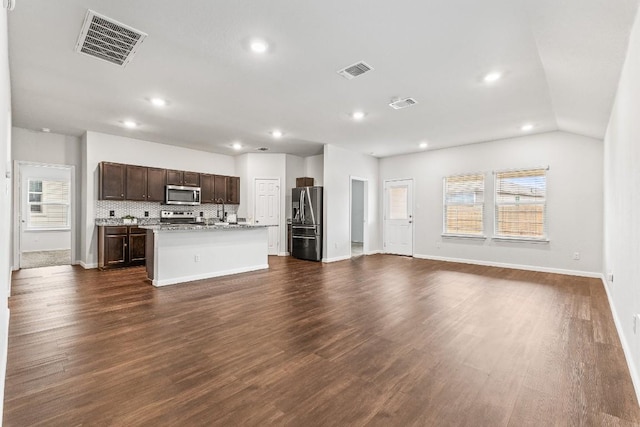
121,246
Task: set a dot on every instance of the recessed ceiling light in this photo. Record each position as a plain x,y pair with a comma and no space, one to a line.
158,102
237,146
130,124
259,46
46,130
527,127
276,133
492,77
424,145
357,115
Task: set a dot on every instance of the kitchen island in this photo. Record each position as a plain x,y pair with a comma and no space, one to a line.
178,253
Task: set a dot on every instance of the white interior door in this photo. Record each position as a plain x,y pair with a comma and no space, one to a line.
398,217
45,215
267,210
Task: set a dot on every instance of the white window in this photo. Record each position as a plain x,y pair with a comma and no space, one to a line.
464,205
48,204
521,204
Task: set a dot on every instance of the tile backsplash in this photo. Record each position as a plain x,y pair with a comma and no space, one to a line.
137,209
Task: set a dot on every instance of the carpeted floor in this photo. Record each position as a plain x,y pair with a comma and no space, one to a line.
45,258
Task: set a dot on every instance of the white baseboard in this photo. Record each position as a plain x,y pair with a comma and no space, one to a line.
374,252
626,348
3,362
88,266
335,259
184,279
579,273
283,253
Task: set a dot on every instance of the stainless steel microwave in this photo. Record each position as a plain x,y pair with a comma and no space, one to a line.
180,195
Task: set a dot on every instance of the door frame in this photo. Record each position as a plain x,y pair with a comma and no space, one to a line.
384,213
17,207
253,201
365,201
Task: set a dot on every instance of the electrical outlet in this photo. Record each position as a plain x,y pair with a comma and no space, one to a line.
636,323
196,258
112,213
146,214
335,245
576,256
438,244
610,276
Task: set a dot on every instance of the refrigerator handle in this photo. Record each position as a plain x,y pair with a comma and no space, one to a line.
302,205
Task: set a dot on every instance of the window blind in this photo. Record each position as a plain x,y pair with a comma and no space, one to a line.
464,204
521,204
48,204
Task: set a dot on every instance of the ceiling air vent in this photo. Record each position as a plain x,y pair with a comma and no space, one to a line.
109,40
403,103
262,149
355,70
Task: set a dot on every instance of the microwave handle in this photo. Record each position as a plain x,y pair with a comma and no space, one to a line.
195,196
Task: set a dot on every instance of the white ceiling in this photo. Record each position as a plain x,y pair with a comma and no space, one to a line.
561,62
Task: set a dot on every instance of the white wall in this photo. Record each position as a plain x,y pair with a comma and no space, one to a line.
574,200
5,199
314,168
102,147
339,166
357,211
622,206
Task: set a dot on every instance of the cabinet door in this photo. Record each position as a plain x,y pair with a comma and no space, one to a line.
137,244
191,179
174,177
156,179
115,250
136,183
220,189
112,179
233,190
206,187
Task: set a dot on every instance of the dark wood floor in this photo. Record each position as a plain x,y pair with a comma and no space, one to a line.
380,340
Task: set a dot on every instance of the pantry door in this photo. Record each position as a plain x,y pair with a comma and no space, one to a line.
267,209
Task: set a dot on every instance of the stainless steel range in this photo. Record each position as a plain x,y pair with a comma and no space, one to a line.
180,217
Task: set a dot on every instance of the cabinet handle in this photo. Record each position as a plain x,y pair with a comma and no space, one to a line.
122,195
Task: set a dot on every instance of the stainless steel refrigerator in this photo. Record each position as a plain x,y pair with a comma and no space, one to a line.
306,223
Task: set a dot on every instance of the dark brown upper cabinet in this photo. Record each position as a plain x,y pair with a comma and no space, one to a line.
112,181
207,183
140,183
220,189
233,190
175,177
191,179
156,180
136,183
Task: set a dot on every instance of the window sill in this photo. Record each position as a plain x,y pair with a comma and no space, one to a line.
464,236
520,239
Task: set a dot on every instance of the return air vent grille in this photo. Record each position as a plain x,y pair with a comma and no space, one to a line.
109,40
403,103
355,70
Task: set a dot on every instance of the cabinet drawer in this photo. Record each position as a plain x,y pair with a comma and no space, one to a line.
137,230
115,230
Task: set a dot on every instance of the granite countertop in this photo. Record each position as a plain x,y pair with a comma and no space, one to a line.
185,227
120,221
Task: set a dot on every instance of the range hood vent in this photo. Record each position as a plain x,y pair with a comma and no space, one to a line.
355,70
403,103
108,40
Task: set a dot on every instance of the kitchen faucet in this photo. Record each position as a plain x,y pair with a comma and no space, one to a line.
220,200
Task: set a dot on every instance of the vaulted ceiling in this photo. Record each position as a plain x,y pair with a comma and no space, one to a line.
559,62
